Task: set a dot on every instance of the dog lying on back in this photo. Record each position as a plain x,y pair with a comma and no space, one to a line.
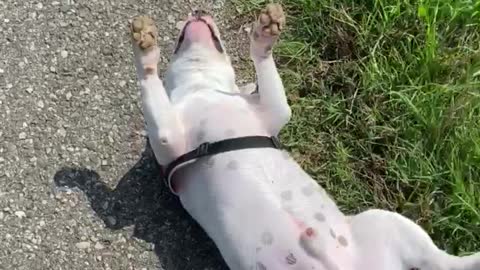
256,203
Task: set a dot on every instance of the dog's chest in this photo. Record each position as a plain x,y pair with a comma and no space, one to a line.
212,116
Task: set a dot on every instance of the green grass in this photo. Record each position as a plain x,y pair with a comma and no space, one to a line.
386,106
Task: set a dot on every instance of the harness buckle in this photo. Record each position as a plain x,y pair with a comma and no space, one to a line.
202,149
276,142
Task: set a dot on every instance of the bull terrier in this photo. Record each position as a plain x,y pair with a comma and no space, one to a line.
262,210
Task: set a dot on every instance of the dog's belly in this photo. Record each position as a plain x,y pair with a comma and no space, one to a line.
261,208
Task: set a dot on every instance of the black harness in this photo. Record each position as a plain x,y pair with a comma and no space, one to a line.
210,149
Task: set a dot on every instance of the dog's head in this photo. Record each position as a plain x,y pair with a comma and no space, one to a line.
200,59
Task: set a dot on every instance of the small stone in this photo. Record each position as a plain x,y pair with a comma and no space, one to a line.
53,69
99,246
22,135
180,25
20,214
2,71
122,83
40,104
39,6
1,215
121,239
62,132
64,54
9,85
55,3
68,96
82,245
29,90
6,20
104,163
41,223
111,221
171,19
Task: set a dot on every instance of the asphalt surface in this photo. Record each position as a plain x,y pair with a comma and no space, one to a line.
79,187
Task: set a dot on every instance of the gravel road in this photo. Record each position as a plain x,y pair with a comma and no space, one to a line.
79,188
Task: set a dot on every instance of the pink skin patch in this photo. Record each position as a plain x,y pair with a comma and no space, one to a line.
310,232
300,224
198,31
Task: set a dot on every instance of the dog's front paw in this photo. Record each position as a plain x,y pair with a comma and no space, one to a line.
144,37
144,32
267,29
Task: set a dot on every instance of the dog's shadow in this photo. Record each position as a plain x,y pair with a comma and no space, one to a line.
141,199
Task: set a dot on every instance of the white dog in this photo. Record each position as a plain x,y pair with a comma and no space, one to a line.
256,203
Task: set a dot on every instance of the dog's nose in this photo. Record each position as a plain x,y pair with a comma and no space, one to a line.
199,13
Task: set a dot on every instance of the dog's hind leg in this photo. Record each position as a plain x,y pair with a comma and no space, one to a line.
402,244
271,92
165,131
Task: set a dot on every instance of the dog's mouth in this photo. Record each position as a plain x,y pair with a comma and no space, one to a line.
212,36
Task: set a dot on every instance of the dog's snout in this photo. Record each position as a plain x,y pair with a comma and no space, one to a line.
199,13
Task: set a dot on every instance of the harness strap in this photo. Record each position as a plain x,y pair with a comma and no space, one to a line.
210,149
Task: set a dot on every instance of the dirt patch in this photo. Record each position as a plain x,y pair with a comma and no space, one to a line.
341,44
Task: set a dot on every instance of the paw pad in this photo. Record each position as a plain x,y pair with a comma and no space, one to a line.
144,32
272,20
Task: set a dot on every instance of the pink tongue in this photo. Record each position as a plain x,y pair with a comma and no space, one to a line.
198,31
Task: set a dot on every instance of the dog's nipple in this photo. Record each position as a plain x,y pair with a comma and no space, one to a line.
163,140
